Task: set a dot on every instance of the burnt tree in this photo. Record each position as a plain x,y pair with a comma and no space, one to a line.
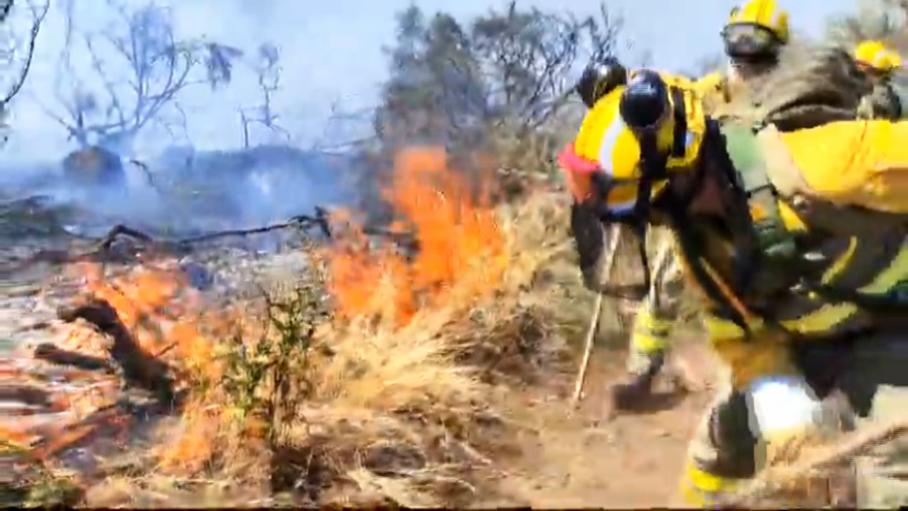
454,82
267,69
104,111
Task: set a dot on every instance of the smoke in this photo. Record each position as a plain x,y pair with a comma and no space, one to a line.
332,61
334,55
216,190
223,186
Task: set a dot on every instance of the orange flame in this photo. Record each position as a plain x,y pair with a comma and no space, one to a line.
194,443
167,320
460,244
162,313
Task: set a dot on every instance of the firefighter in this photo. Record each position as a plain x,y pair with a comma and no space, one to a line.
878,63
795,239
753,37
648,345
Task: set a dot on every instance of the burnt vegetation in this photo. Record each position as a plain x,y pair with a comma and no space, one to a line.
303,406
498,84
500,79
455,82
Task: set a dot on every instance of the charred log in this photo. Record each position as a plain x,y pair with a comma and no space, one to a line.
138,367
50,353
25,394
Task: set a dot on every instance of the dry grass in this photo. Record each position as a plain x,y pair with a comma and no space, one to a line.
405,414
29,482
795,479
291,405
364,411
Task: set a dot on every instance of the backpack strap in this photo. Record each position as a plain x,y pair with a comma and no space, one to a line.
774,238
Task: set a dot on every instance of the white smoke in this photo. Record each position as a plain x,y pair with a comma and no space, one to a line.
331,57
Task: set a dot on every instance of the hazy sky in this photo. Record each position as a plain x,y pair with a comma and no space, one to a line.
332,53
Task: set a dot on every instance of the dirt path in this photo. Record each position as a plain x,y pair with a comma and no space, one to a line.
585,458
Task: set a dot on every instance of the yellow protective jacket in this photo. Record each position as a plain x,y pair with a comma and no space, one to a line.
716,92
654,318
830,204
613,148
720,96
726,96
727,100
842,199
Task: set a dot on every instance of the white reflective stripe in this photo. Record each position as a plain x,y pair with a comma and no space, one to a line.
609,141
780,404
623,208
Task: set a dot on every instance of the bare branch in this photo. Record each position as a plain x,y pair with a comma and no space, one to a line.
64,64
245,123
38,16
158,68
108,84
47,111
269,78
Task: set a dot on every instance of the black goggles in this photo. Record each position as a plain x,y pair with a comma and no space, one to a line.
747,41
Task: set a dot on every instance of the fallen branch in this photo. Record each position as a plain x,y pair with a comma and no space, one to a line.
137,366
71,434
26,394
121,230
303,222
856,444
50,353
104,244
103,250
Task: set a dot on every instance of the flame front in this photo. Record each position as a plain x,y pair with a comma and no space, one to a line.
461,250
461,256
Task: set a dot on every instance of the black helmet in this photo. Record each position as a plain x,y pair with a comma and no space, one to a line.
599,78
645,100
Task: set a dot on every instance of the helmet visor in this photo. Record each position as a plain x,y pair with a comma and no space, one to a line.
874,74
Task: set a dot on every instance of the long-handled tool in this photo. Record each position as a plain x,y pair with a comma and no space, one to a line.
594,320
588,348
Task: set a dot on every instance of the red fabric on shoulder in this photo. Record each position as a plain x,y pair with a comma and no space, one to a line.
578,172
572,162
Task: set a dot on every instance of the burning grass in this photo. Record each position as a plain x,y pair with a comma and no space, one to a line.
373,377
461,255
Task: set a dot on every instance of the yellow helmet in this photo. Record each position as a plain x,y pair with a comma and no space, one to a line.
875,55
604,145
764,14
607,152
